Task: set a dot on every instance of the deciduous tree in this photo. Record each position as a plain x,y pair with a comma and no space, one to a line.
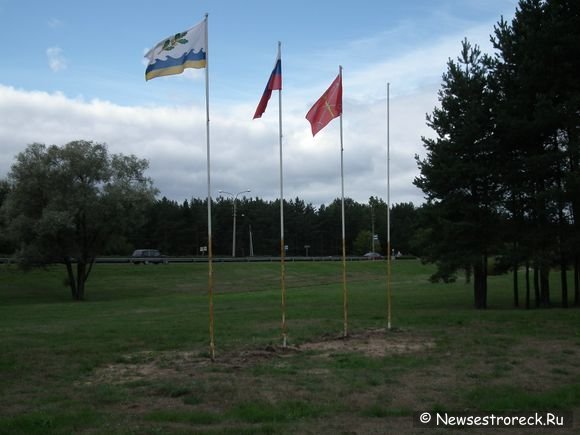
67,203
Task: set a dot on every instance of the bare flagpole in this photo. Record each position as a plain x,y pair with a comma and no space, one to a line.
344,289
209,235
389,291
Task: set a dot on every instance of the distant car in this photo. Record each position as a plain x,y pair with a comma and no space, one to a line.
373,256
148,256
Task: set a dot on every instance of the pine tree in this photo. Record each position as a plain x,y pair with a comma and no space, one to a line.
458,176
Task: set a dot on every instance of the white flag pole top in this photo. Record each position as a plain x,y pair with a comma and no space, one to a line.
187,49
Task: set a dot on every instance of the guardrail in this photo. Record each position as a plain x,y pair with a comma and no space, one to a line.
126,260
238,259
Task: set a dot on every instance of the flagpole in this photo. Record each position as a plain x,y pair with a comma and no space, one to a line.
282,245
389,291
209,233
326,108
344,290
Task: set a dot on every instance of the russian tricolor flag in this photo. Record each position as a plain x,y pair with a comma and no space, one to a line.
274,83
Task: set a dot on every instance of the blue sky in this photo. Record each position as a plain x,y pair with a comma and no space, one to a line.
75,70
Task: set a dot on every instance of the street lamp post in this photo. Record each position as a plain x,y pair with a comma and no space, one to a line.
251,242
251,238
235,197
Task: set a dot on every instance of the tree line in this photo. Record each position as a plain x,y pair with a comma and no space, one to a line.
181,228
502,175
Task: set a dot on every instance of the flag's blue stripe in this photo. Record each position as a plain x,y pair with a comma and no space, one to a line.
170,62
278,68
275,77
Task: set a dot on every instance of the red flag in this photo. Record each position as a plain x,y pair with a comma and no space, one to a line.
274,83
328,107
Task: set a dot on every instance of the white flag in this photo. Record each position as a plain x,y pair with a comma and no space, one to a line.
183,50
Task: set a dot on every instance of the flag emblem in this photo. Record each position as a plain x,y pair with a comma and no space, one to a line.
169,44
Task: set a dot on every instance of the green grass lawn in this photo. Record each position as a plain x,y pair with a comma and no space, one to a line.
133,357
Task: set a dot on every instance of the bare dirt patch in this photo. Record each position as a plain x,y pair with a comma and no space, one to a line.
375,343
372,343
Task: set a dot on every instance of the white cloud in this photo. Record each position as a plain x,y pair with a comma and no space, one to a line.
54,23
56,60
244,153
